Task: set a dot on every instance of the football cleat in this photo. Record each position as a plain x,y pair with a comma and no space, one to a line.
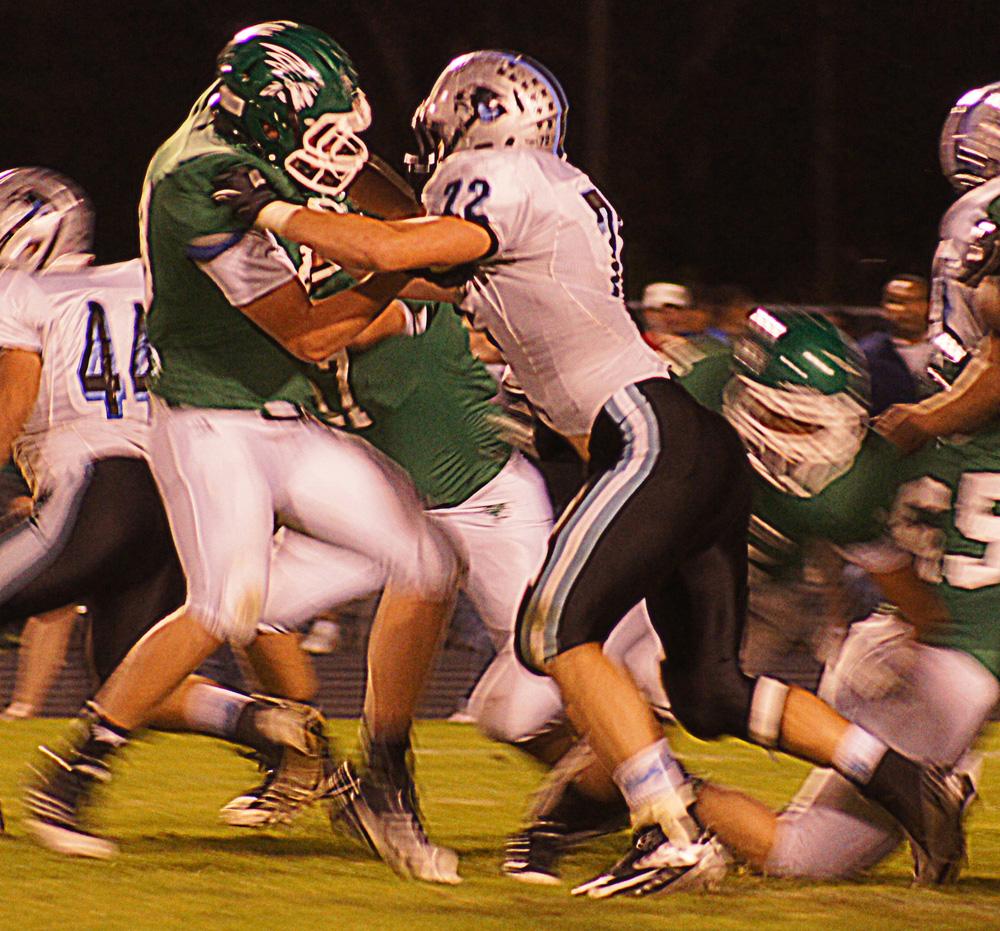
532,855
296,777
654,865
940,854
54,804
386,818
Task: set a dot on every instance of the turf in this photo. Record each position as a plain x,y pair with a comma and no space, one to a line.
180,867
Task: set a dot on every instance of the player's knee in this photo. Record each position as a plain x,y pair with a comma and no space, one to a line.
795,854
510,715
234,617
437,569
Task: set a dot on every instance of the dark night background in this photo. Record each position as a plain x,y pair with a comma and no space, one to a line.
790,147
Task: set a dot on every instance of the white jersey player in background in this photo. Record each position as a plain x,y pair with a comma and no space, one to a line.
663,513
74,410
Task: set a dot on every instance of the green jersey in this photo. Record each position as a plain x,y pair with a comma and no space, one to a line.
947,514
424,401
850,509
200,260
942,505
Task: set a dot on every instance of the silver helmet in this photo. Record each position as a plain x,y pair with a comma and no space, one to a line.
486,100
970,140
46,220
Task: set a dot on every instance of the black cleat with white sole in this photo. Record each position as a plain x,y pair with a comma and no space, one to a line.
939,851
387,819
533,855
653,865
54,804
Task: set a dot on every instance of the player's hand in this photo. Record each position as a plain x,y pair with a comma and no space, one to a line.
905,425
245,190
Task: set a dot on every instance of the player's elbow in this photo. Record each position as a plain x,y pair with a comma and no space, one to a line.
310,347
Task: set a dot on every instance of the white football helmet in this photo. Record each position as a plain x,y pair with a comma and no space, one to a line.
46,221
489,100
970,140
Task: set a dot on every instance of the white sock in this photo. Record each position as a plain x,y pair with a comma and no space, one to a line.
210,709
652,782
857,754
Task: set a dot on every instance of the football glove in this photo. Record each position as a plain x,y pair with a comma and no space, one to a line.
245,191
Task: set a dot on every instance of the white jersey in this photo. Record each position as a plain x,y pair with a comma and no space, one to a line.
550,294
88,327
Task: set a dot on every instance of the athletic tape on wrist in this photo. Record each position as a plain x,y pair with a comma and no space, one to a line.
275,216
767,707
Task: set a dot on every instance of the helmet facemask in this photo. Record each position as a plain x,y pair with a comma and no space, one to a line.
46,221
332,152
798,439
289,94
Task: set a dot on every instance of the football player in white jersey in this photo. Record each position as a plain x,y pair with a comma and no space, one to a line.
74,407
664,510
964,323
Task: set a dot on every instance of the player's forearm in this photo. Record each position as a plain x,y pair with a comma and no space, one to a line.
391,322
972,402
362,242
20,375
339,320
917,601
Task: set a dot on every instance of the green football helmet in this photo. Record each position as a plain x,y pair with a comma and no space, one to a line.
289,94
798,398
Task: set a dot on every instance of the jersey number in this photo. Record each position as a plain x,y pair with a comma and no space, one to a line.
975,518
479,189
99,377
610,225
353,413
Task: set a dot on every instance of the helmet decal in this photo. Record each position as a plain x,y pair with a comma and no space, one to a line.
296,81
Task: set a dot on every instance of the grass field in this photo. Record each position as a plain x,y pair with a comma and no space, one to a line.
180,867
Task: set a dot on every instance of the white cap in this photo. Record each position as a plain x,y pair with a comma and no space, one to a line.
663,293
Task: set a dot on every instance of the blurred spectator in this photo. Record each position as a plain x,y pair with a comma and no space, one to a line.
857,321
671,309
897,360
731,305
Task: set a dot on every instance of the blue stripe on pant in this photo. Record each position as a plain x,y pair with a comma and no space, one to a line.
586,520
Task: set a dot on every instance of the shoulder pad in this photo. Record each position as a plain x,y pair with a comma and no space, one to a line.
970,236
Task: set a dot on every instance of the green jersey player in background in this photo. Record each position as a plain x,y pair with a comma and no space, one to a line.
921,674
234,447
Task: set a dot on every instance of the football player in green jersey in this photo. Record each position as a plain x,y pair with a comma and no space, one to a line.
921,675
234,445
795,389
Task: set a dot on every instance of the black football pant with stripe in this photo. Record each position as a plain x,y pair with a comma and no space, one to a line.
101,540
663,516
